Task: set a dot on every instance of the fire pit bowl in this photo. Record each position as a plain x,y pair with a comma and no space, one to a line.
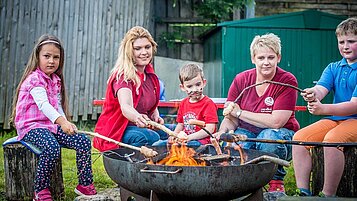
129,170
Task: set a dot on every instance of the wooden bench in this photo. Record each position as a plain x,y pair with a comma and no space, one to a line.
20,162
348,183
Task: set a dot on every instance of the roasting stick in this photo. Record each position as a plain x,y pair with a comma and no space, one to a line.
202,125
230,107
163,128
144,150
228,137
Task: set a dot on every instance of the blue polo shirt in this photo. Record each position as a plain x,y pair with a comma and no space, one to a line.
341,78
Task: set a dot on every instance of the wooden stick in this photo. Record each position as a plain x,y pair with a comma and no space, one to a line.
229,137
202,125
144,150
163,128
267,81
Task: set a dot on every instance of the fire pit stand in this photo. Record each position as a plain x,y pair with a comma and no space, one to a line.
126,195
218,181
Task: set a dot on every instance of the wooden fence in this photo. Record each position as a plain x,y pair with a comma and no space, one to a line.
91,31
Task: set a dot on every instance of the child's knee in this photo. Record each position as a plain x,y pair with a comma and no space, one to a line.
84,142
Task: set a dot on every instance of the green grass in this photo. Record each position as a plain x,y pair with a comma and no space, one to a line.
101,179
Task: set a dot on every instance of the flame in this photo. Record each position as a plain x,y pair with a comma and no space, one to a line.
181,155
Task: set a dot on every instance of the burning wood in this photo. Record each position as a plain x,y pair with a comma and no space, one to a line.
180,155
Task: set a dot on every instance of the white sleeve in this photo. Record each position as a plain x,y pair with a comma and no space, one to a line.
60,109
40,97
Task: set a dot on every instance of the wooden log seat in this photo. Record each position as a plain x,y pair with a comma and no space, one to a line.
20,162
348,183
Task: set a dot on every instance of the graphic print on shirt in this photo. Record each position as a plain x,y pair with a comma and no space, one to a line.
269,102
189,129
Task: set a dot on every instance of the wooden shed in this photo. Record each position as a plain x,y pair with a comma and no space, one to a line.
308,42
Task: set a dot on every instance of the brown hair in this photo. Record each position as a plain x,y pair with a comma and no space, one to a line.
190,71
32,65
348,26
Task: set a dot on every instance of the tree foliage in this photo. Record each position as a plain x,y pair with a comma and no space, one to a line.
219,10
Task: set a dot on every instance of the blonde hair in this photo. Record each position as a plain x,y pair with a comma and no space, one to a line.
32,65
348,26
269,40
125,64
190,71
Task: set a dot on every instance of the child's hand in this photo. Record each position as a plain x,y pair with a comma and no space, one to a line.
182,136
315,107
309,95
171,139
69,128
66,126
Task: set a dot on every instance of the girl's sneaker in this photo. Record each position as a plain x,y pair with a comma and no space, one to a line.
44,195
85,190
276,185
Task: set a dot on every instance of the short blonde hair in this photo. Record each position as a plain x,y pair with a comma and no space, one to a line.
348,26
269,40
190,71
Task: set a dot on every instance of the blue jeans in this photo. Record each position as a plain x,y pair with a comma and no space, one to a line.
138,137
283,151
193,143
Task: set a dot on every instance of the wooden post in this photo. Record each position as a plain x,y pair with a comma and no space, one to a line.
20,169
348,183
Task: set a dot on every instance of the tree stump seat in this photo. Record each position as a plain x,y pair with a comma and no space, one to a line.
348,183
20,162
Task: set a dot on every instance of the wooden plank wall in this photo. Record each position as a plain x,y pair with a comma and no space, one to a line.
169,14
91,31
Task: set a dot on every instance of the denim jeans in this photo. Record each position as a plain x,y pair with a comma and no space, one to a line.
193,143
283,151
138,137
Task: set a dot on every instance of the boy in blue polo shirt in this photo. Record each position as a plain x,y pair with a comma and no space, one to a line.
341,123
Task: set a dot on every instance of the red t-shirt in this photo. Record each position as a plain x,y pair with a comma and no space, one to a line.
203,110
276,97
148,98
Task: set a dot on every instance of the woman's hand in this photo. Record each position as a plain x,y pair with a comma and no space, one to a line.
231,109
141,120
156,117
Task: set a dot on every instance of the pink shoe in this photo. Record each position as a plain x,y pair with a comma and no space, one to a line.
85,190
44,195
276,186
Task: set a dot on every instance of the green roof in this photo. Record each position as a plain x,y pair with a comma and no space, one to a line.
308,19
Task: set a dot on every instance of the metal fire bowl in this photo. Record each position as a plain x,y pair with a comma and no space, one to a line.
129,170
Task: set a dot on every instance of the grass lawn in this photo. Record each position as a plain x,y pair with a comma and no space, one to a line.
101,179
